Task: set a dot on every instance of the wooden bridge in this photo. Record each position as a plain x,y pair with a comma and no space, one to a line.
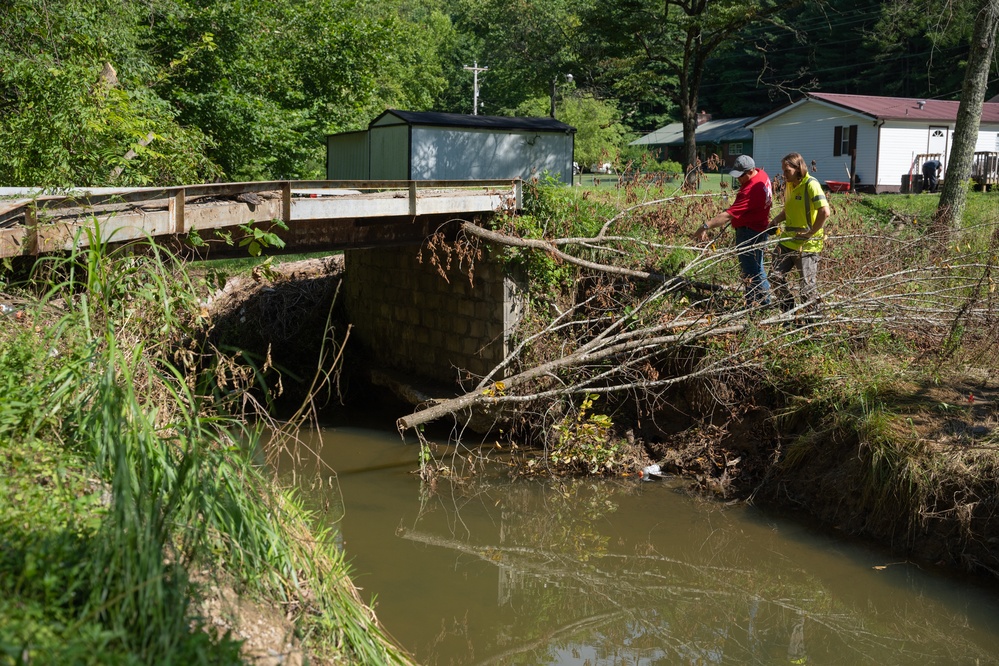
403,312
320,215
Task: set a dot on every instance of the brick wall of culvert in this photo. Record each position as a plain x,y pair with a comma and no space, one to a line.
411,319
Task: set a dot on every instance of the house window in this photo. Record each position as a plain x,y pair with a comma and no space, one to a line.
735,149
844,144
937,134
844,140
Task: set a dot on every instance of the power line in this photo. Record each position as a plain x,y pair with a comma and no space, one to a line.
819,70
843,44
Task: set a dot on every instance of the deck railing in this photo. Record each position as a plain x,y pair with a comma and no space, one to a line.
985,168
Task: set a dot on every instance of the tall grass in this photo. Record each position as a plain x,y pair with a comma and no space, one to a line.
98,399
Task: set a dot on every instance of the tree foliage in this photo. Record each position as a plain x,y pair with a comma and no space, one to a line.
526,44
271,78
146,92
75,100
599,130
662,48
200,90
927,39
905,48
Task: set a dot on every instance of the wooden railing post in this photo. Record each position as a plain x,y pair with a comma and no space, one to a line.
286,202
30,229
412,198
176,206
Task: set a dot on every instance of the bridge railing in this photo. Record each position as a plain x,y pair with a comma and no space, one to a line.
37,223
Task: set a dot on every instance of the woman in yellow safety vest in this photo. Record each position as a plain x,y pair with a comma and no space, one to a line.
800,232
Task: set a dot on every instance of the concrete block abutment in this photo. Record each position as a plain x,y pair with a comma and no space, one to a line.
413,321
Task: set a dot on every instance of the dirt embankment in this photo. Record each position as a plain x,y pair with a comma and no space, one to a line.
921,476
283,319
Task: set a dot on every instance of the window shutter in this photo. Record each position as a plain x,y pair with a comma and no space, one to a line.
837,141
853,139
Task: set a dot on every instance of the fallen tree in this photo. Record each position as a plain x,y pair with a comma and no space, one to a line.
873,410
890,279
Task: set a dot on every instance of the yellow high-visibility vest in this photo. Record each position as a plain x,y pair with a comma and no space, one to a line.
801,207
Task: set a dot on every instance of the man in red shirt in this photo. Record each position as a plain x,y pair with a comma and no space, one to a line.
749,215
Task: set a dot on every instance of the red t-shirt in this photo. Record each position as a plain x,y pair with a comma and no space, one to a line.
752,203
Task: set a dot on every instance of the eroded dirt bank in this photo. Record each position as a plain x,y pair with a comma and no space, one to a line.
921,479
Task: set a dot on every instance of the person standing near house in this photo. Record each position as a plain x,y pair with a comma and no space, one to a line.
931,175
803,218
749,215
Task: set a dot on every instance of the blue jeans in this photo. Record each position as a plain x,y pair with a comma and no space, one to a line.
754,273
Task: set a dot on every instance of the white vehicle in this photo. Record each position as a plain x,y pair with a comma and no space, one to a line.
605,167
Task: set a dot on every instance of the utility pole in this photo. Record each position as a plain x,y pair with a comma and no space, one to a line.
475,69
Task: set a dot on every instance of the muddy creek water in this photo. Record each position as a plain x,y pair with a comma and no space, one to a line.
501,571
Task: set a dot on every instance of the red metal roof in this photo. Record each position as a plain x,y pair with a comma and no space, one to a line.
903,108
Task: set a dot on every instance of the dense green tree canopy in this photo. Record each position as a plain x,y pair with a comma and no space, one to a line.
75,98
660,48
527,44
139,92
197,90
272,78
905,48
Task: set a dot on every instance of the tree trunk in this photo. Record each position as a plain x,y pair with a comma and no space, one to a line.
689,113
969,116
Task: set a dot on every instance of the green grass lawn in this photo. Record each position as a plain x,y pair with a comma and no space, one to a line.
709,182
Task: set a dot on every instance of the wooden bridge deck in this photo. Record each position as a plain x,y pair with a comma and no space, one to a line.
319,214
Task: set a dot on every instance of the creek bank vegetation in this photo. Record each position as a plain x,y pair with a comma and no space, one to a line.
137,525
875,411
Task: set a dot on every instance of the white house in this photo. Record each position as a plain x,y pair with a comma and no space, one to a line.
882,140
423,145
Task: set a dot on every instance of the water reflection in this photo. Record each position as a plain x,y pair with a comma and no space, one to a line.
496,571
